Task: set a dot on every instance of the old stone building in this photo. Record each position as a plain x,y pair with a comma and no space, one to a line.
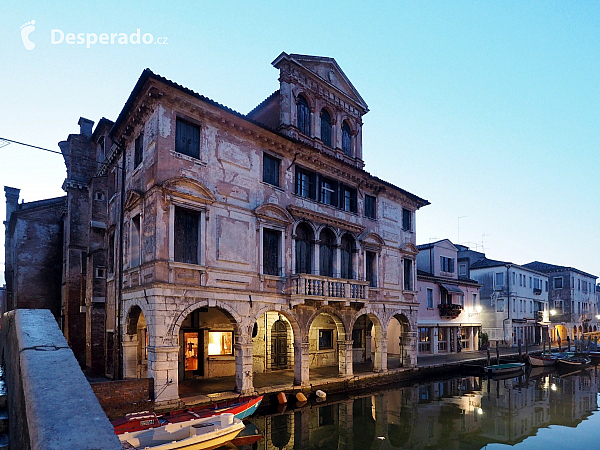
33,241
250,243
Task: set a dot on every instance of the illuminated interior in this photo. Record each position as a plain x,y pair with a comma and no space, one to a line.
220,343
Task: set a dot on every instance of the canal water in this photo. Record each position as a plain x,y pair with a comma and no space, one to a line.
540,410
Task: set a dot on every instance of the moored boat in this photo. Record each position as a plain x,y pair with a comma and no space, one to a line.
574,362
503,369
241,408
198,434
545,359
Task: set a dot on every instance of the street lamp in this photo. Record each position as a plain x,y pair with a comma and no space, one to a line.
552,312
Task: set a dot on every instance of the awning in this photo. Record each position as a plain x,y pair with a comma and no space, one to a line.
452,289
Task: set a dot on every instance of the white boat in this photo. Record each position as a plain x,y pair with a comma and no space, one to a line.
197,434
545,359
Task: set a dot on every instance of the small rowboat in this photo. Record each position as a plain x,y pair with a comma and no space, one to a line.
199,434
574,362
545,359
241,408
503,369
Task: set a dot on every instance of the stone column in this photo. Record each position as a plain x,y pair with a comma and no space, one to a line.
243,366
410,347
346,425
380,363
162,366
345,357
302,429
130,357
301,363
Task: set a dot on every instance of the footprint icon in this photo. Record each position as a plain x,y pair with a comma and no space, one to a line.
26,30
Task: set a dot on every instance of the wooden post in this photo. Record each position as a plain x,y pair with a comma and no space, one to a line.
520,350
488,356
497,353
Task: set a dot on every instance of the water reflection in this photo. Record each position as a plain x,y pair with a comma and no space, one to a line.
463,412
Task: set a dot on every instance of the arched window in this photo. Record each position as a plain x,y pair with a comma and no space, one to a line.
346,139
326,128
326,253
303,113
347,250
304,248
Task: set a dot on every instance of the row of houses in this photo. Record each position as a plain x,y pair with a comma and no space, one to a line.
466,300
196,242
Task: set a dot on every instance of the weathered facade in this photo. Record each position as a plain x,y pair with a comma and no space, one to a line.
33,241
572,298
254,243
449,318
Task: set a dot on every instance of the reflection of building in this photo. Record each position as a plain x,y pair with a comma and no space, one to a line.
200,242
449,308
572,299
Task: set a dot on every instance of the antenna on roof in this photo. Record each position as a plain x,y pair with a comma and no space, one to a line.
482,246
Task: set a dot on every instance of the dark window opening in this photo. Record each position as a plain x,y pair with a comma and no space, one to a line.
370,206
136,228
370,266
406,222
139,150
271,244
349,199
304,249
187,138
111,253
408,275
325,339
271,170
346,139
305,183
326,253
347,252
187,229
328,192
303,113
326,128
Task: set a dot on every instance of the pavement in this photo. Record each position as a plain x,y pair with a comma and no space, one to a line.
198,390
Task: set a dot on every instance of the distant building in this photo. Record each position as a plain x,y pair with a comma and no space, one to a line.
572,298
514,300
33,257
449,317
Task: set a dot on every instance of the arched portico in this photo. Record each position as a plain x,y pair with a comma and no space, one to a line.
401,342
328,345
135,344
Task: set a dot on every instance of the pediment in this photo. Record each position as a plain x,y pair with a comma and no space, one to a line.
273,212
372,240
188,188
132,198
410,249
328,70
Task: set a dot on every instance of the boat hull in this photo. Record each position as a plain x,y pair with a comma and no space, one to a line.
542,360
505,369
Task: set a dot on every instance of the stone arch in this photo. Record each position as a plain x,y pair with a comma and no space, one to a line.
234,317
369,340
287,314
402,340
184,187
135,343
297,223
330,311
372,239
273,213
136,307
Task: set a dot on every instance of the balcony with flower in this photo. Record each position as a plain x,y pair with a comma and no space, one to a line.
449,310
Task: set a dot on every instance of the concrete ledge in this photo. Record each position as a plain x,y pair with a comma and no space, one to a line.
50,402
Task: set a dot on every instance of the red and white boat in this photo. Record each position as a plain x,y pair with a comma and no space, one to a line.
241,408
545,359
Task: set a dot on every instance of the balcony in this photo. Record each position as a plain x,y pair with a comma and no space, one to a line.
327,289
537,291
449,310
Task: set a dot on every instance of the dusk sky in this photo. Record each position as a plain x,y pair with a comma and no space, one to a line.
489,110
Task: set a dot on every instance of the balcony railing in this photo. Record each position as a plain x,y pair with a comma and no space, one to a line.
327,288
449,310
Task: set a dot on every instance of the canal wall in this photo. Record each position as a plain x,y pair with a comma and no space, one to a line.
50,403
118,398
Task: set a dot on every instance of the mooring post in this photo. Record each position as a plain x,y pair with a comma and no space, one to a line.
497,352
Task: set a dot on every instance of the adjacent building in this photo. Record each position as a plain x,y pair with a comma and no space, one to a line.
572,299
449,317
514,302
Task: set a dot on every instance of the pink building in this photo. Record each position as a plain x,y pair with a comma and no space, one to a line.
449,317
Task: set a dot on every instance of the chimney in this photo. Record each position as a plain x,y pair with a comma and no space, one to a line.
85,126
12,200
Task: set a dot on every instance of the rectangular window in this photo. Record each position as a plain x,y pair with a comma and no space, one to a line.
371,266
271,245
325,339
187,235
499,280
462,270
138,155
429,298
530,285
100,272
349,199
406,219
442,339
187,138
558,282
514,278
136,227
474,300
500,305
305,183
446,264
220,343
271,169
328,192
408,275
370,207
424,339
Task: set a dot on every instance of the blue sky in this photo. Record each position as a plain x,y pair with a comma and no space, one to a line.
487,109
